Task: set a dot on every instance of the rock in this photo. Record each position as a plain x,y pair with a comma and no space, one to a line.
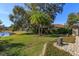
72,48
60,41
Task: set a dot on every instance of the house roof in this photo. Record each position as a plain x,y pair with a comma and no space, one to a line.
1,26
58,25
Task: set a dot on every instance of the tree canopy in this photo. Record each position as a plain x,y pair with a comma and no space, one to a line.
40,18
52,9
19,17
37,14
72,18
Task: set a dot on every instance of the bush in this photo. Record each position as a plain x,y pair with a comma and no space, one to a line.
62,31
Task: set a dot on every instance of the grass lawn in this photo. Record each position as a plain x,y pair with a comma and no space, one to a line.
70,39
22,44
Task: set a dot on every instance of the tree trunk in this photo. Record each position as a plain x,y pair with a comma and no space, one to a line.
40,30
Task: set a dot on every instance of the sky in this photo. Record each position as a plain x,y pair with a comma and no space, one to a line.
6,9
68,8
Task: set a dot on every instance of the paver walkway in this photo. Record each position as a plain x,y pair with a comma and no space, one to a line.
72,48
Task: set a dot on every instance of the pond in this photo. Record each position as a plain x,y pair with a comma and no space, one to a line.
4,33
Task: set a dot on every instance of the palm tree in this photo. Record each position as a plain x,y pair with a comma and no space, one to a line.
20,16
52,9
40,19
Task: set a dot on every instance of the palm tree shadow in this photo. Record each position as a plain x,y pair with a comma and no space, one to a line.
11,45
15,45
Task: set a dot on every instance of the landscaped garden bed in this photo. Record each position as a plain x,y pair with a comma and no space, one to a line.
54,51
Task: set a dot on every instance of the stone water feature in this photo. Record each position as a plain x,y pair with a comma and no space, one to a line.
72,48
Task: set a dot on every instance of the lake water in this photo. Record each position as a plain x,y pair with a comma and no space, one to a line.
4,33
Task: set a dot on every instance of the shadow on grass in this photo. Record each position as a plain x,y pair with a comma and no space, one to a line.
11,49
4,46
12,33
55,35
52,35
19,45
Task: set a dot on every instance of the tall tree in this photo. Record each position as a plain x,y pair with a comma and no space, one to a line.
40,20
19,17
0,22
72,18
1,27
51,9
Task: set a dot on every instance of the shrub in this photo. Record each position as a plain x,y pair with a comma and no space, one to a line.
62,31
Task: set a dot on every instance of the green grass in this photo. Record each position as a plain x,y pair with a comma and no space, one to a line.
23,44
70,39
53,51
